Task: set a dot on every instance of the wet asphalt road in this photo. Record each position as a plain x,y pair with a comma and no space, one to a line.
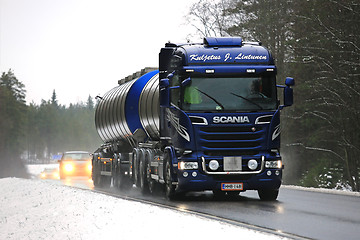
300,213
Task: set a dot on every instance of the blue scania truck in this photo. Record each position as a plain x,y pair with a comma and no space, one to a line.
207,119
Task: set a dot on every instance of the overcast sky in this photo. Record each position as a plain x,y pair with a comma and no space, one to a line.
82,47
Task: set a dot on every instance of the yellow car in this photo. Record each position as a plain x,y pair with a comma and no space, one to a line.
75,163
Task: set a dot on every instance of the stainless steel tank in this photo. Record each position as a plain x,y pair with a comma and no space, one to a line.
130,106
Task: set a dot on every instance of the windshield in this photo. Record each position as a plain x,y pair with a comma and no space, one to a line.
230,94
76,156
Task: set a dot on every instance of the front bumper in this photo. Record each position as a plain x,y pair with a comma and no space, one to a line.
197,181
202,179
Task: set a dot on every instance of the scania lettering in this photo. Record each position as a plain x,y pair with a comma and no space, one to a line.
207,118
229,119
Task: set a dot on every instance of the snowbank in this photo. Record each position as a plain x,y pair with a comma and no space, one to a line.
37,209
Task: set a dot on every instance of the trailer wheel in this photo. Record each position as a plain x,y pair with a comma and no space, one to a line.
268,194
169,187
97,180
143,176
136,172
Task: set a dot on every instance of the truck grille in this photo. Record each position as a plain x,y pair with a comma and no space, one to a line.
231,141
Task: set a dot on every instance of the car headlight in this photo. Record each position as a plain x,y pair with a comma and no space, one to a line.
188,165
273,164
69,167
89,167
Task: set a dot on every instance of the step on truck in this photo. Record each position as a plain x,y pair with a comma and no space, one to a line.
207,119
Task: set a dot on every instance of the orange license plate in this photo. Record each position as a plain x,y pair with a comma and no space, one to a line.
232,186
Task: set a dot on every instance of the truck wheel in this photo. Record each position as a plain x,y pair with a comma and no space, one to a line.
150,182
105,181
268,194
143,177
97,180
122,182
136,172
169,187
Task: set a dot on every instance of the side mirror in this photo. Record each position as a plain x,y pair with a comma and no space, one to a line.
164,83
186,82
288,96
171,75
288,92
289,82
164,92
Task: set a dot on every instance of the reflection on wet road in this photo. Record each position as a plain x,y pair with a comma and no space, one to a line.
314,215
79,182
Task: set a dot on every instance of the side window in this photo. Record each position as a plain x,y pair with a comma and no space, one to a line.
175,93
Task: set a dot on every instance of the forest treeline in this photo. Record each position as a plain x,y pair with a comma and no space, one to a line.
318,43
34,133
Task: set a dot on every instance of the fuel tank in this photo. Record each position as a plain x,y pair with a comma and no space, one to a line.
130,106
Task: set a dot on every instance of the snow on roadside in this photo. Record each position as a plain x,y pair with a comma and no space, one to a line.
322,190
34,170
35,209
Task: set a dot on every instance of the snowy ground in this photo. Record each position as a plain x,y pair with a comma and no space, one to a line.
45,209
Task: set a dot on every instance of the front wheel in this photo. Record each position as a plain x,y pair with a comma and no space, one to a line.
169,187
268,194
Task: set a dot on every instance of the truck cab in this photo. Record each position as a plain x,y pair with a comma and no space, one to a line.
220,116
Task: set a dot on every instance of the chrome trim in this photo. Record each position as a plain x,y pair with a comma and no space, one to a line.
205,122
233,173
257,121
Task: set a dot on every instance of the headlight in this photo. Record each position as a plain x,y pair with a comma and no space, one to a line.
188,165
69,167
213,165
273,164
89,167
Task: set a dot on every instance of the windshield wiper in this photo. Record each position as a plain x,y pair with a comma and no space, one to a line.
212,98
248,100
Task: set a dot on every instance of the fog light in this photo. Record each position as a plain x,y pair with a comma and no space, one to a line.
185,174
194,174
268,173
213,165
252,164
277,172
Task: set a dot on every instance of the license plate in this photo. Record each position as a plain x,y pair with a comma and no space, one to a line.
232,186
